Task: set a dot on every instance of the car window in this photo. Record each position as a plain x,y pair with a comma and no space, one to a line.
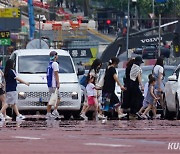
38,64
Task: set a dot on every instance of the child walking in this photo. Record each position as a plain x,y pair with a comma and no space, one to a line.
91,97
11,93
151,99
145,105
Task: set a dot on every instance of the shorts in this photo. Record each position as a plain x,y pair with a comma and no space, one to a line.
12,97
52,90
91,100
2,91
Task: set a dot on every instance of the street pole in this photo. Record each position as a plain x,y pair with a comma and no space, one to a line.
39,31
159,47
153,16
127,34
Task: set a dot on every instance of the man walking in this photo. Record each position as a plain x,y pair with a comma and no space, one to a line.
53,83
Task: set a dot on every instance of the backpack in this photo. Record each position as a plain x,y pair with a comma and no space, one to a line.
83,80
49,74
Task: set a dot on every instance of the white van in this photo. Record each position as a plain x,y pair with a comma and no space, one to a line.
31,66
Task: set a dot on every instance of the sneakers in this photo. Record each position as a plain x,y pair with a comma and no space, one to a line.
82,115
97,119
158,116
55,113
101,116
20,117
144,116
50,116
2,117
122,115
139,115
8,117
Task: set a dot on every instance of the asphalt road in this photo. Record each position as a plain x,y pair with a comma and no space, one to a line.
37,136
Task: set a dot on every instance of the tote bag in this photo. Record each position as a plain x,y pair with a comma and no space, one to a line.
53,98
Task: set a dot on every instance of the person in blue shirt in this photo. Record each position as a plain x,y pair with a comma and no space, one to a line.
11,92
53,83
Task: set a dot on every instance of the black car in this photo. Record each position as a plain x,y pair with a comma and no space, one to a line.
151,52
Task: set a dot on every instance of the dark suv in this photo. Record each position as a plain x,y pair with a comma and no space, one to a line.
151,52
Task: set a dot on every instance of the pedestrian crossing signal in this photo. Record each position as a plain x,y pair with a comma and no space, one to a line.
108,22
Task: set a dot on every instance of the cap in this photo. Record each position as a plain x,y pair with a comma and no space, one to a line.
139,59
52,55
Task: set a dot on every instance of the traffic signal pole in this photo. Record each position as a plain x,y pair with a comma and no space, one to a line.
127,34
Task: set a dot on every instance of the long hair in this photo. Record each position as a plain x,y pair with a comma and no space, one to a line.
159,61
95,65
9,66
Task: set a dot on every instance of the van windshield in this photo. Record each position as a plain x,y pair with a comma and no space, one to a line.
38,64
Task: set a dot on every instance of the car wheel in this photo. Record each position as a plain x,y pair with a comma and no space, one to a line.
166,113
67,116
177,109
76,115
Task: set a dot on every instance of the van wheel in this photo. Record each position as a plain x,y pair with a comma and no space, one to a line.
76,115
67,116
177,110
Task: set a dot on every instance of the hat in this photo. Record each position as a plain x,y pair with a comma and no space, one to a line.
52,55
139,60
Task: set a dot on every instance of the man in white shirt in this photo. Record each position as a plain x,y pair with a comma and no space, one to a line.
53,83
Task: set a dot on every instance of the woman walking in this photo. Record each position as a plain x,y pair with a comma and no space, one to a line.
108,90
136,97
11,92
158,73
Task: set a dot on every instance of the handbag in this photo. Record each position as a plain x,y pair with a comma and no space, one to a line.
53,98
100,83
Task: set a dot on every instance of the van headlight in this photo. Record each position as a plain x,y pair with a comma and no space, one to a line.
74,95
21,95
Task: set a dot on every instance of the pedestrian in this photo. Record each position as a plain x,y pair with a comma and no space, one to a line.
53,83
136,86
145,105
151,99
94,71
2,91
91,97
127,93
158,73
11,93
108,90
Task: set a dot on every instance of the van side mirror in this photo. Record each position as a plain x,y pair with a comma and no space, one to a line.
172,78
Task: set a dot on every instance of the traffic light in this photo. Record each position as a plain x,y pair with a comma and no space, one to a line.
176,41
108,22
176,45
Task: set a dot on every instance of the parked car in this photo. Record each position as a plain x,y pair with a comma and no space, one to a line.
151,52
172,96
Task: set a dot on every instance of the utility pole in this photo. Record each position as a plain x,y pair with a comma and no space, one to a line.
127,34
159,47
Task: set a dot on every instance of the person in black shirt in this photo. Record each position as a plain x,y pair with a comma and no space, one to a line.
108,90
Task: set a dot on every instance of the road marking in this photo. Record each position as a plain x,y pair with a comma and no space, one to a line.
108,145
27,138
